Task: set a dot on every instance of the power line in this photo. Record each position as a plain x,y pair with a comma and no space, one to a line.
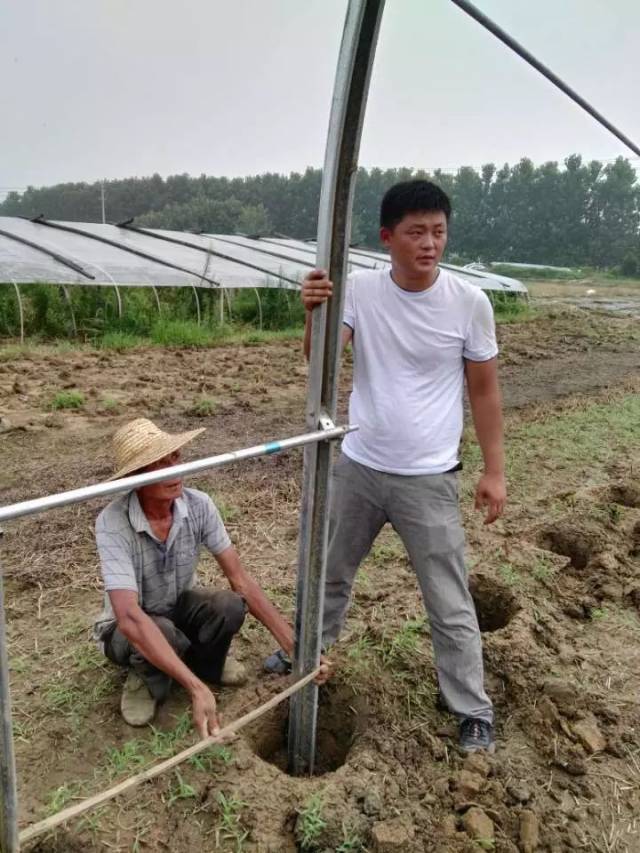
523,53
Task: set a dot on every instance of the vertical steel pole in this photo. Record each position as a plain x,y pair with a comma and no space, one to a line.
8,791
351,86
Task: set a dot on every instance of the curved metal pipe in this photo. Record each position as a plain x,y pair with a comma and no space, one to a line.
351,86
197,298
257,293
67,297
20,309
155,293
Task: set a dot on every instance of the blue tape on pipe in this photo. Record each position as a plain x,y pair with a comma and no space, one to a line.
273,447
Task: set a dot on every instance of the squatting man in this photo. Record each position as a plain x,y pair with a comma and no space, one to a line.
156,622
417,332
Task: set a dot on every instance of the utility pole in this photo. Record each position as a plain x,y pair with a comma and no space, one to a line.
102,200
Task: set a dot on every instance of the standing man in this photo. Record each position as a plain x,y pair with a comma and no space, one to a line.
156,622
417,331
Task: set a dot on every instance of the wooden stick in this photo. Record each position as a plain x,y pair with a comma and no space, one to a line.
151,772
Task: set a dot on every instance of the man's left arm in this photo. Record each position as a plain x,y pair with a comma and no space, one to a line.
486,408
259,605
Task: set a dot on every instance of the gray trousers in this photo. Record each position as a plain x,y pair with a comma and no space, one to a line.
424,512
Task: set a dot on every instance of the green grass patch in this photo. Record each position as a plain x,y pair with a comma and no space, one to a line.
120,341
180,790
207,760
511,308
405,646
575,441
310,822
71,399
109,405
509,574
60,797
202,408
230,827
129,757
182,333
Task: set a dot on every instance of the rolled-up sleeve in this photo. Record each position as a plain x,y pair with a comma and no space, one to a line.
480,342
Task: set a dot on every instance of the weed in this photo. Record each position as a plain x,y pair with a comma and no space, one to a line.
511,308
180,790
359,656
87,657
19,665
614,512
486,843
73,626
202,408
231,828
419,699
206,760
59,797
91,821
136,846
363,579
403,647
21,731
120,341
310,822
71,399
63,698
598,613
385,552
351,843
109,404
182,333
542,568
508,574
164,744
227,511
128,758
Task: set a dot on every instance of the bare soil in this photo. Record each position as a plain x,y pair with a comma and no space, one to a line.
556,585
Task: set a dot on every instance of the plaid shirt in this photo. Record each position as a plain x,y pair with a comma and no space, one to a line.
133,558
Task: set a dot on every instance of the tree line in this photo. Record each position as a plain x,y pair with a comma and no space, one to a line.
574,214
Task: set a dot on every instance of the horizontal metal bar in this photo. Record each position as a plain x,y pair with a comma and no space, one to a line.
61,259
523,53
40,220
207,250
127,484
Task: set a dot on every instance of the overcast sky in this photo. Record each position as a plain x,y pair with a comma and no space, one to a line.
115,88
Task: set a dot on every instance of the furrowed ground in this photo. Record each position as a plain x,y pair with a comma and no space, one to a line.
556,585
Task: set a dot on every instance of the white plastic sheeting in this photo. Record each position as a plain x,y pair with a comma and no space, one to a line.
94,254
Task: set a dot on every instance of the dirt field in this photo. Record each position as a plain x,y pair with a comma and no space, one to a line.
556,585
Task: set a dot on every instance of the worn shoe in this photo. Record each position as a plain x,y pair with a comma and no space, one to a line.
278,663
476,735
234,673
137,704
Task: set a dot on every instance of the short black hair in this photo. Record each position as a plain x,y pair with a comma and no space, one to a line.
415,196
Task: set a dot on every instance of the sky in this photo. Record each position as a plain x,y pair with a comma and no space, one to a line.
93,89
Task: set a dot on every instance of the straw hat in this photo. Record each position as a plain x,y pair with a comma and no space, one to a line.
140,443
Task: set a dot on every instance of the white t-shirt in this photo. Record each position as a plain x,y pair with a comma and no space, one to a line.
409,350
